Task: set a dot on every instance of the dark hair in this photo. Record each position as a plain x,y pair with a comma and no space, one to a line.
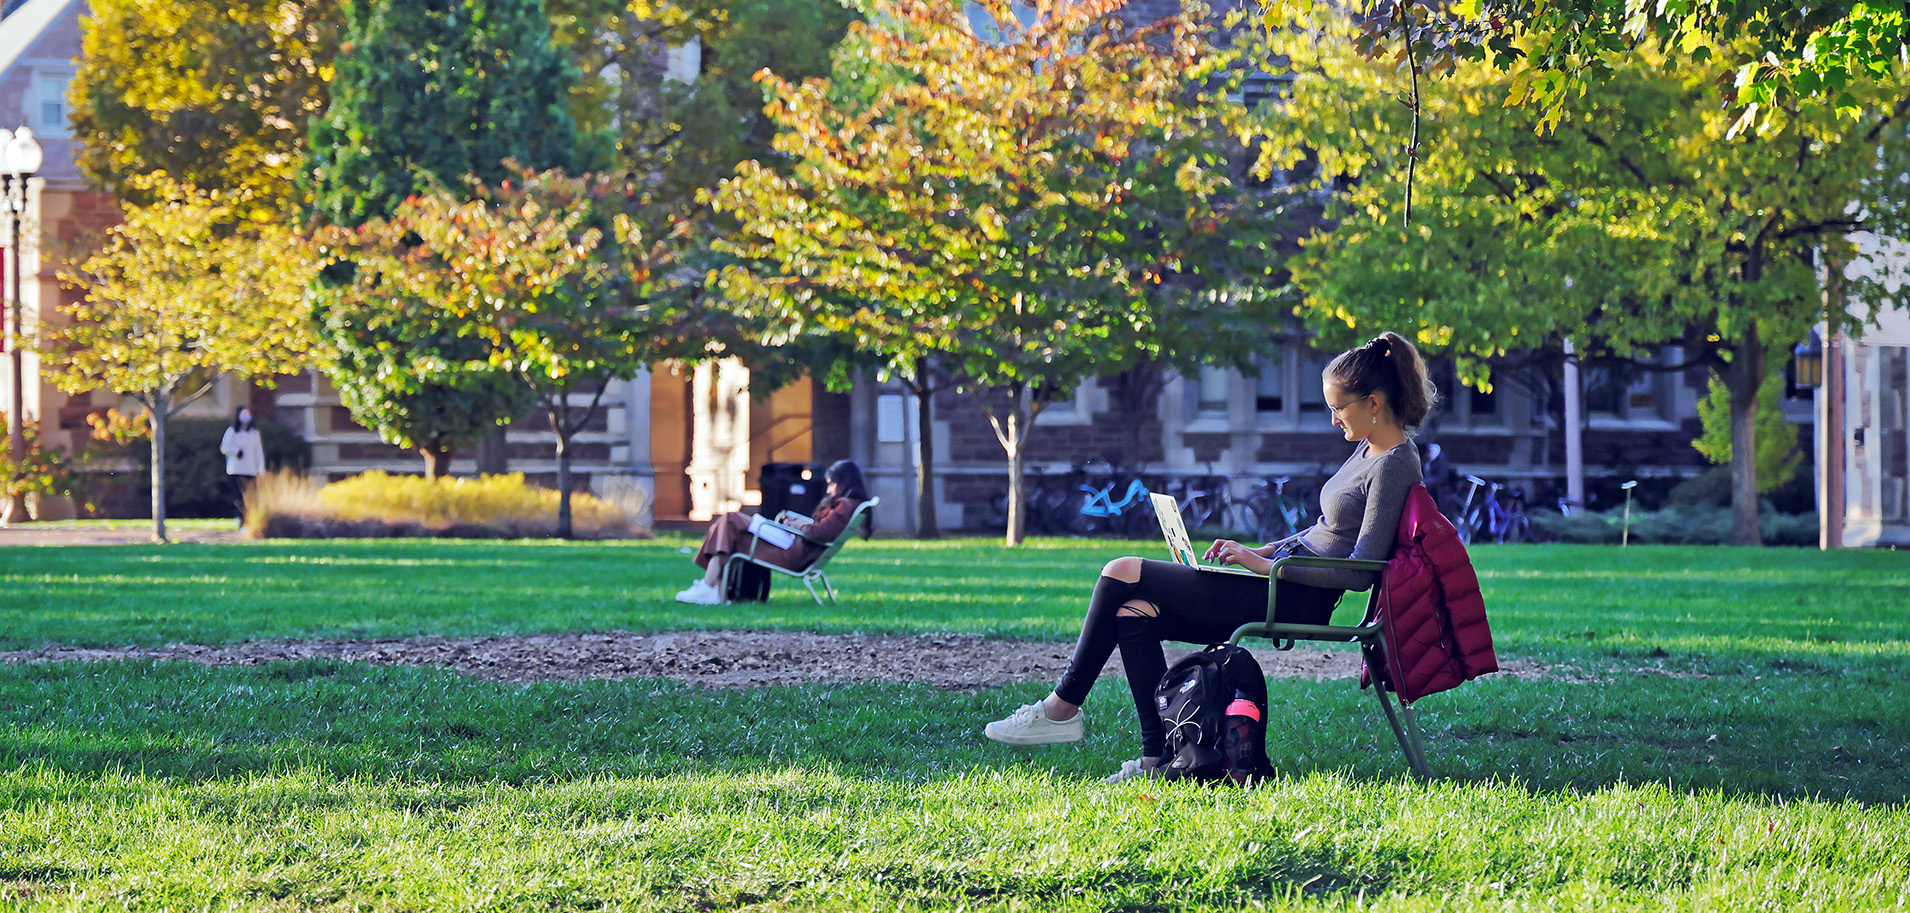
1389,365
236,424
848,475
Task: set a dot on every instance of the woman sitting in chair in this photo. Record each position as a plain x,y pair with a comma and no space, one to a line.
729,534
1377,394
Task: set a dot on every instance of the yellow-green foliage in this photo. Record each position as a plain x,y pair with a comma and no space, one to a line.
378,503
1777,454
485,501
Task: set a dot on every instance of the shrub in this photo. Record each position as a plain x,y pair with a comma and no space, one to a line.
1680,524
377,504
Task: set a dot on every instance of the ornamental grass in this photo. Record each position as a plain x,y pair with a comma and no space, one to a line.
286,505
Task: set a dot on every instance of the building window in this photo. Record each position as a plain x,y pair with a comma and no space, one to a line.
1270,389
50,110
1308,385
1213,392
1631,392
1482,403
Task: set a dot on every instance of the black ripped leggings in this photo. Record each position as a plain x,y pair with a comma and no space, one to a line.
1198,607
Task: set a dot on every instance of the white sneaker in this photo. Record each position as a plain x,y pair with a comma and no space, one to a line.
1134,768
1029,725
700,593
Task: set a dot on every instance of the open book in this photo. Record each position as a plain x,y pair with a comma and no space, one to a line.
763,528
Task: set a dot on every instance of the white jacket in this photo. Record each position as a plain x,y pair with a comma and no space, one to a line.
244,452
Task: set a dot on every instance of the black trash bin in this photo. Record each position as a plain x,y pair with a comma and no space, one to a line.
790,486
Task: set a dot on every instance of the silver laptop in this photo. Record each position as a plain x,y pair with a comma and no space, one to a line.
1175,532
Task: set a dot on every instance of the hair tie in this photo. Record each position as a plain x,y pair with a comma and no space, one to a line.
1384,345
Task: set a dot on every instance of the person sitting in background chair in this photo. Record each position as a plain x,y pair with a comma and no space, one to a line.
729,534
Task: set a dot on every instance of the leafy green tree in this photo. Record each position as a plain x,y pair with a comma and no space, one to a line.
1790,51
216,95
692,131
1028,202
436,91
1776,50
554,275
181,292
1638,223
414,373
1777,454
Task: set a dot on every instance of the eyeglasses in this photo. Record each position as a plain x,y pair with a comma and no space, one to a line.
1335,410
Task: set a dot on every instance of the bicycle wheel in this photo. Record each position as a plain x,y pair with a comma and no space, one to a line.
1137,520
1247,515
1068,518
1273,524
997,512
1469,525
1518,528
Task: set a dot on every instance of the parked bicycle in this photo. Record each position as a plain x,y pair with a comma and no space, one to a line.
1272,514
1129,514
1206,502
1052,502
1499,515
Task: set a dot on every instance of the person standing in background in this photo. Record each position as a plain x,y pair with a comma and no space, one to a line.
244,458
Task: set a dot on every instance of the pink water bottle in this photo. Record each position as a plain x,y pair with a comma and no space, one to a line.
1243,707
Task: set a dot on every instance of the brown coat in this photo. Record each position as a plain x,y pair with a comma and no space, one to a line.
729,534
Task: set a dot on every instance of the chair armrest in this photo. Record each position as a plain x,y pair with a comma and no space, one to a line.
1356,564
1287,632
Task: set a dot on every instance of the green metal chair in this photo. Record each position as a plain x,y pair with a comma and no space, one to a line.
1369,634
814,571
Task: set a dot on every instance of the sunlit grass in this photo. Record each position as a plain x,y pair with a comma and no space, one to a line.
1719,729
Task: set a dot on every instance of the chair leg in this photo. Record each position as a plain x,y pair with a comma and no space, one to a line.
828,587
1419,744
1407,732
723,579
810,582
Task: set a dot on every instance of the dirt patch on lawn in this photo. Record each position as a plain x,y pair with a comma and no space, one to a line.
724,659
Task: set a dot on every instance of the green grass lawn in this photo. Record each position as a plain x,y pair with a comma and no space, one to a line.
1731,736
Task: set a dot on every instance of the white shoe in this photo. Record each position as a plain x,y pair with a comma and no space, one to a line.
1134,768
700,593
1029,725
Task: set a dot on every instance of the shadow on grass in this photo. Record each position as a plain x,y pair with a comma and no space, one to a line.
1758,735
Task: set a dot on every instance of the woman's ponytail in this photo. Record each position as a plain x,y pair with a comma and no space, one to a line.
1388,364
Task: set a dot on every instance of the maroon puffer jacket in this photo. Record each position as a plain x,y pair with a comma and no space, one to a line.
1430,604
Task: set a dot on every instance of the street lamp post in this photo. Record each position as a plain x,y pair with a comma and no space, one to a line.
20,159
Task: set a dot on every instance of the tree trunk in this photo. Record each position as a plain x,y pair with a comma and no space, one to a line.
1742,380
926,524
563,476
1017,509
1135,389
437,461
493,455
159,410
1012,433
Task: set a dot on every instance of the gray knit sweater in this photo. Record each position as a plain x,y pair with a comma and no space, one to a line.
1359,515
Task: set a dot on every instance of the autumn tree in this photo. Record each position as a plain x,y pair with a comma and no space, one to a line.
440,91
183,291
554,275
1027,201
217,96
1641,221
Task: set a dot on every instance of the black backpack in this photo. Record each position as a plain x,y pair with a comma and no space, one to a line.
747,583
1211,734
